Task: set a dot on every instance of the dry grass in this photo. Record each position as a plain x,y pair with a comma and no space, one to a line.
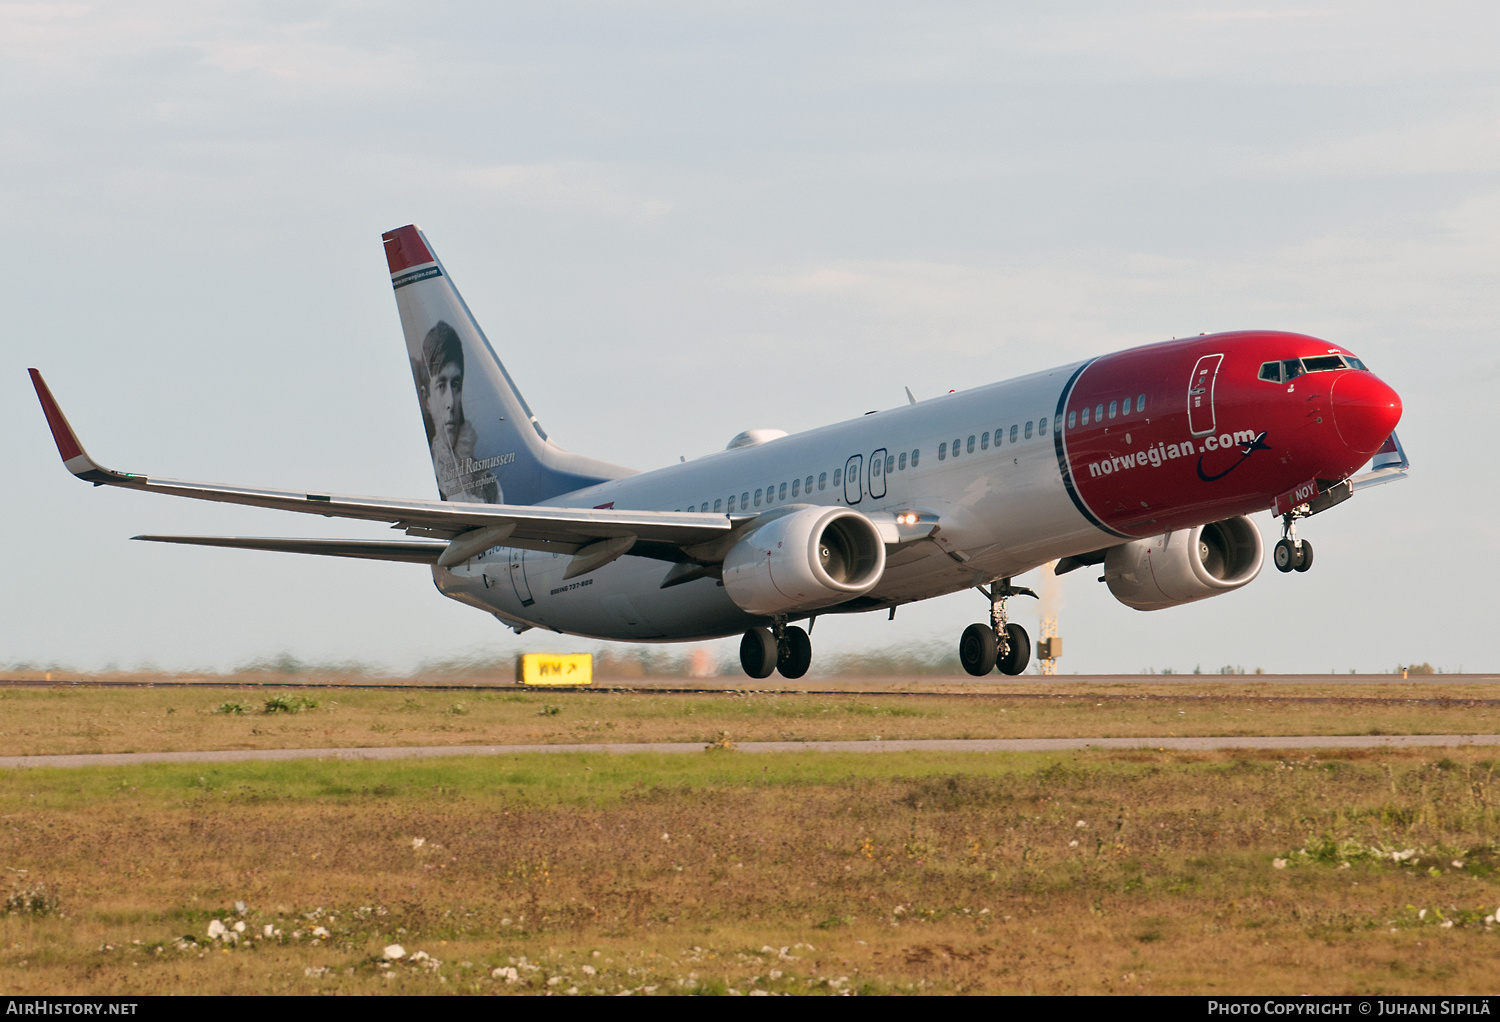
1085,872
84,719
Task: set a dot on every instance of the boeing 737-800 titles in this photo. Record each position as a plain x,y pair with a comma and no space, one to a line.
1146,461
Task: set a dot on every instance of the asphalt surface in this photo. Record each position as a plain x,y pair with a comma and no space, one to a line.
909,745
995,684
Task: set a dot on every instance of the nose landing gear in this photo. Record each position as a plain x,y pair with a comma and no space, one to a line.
782,647
1291,553
1001,643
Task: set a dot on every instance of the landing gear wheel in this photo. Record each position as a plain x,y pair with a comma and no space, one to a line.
1305,561
795,653
1285,555
1019,654
976,650
758,653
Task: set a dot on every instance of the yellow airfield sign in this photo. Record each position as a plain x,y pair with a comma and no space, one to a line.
555,669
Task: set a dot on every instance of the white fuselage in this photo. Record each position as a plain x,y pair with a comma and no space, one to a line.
1002,509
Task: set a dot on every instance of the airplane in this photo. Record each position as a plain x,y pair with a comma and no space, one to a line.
1146,461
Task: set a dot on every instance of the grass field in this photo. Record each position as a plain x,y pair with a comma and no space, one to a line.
84,719
1084,872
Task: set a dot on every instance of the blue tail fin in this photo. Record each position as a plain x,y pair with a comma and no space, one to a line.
487,446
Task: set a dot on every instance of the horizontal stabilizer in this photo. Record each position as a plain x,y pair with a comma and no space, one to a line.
416,551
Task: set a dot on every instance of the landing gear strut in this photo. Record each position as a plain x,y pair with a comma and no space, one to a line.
782,647
1001,643
1291,553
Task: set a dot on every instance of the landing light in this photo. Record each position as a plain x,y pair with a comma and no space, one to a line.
908,518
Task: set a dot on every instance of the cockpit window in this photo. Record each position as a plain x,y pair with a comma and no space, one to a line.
1323,363
1290,369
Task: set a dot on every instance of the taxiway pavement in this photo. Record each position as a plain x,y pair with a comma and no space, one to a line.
1201,744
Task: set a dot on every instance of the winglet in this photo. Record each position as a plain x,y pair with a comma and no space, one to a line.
75,458
1389,464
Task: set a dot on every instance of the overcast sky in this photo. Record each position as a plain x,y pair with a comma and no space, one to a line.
678,221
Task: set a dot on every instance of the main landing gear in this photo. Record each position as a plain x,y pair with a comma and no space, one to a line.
1001,643
1291,553
782,647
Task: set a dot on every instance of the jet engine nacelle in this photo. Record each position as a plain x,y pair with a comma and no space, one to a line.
804,560
1180,567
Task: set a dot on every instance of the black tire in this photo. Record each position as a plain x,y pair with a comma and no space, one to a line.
758,653
976,650
794,656
1284,555
1019,654
1305,561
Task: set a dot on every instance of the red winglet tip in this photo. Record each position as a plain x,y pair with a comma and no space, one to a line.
62,433
404,248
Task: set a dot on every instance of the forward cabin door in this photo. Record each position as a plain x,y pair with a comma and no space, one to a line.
518,577
1201,395
852,482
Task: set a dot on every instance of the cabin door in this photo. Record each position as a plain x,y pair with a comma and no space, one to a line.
1201,395
852,481
518,577
877,474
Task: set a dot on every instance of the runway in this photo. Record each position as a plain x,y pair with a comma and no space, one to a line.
1205,744
1020,687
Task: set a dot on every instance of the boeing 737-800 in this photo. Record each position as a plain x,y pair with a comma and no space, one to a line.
1146,461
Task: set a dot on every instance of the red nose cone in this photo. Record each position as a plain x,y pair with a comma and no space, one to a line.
1365,411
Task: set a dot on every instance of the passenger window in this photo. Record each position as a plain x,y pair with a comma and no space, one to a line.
1028,431
890,464
1099,413
1140,402
942,450
1041,427
745,500
781,494
1085,420
984,440
901,465
807,486
876,466
1112,405
730,508
970,447
757,498
1073,419
796,486
838,474
822,480
718,505
1014,433
915,454
704,509
956,451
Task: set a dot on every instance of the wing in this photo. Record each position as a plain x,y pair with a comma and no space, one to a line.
593,535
